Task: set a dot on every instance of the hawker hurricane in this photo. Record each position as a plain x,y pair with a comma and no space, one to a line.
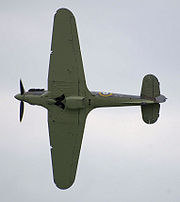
68,100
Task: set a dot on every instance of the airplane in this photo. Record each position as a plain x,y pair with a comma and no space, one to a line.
68,100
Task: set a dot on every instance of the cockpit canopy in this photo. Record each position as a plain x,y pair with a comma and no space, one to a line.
35,89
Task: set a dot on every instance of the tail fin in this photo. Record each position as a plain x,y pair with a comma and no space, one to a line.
150,90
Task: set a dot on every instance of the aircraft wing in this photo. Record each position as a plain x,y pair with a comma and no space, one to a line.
66,129
66,74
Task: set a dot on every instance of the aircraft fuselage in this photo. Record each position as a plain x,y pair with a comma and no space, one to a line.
98,99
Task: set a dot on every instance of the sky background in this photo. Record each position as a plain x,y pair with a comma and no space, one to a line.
122,158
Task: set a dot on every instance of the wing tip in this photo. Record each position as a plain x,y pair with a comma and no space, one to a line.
64,11
63,186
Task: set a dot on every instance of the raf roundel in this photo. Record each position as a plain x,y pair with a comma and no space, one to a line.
105,94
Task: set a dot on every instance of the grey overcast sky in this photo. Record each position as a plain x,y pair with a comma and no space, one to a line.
122,158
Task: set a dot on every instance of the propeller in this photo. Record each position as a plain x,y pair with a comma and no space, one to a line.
21,103
21,110
21,87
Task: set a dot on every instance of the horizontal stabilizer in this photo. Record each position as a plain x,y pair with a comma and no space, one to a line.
150,113
150,87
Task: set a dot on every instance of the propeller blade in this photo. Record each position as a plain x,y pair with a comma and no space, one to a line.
21,110
21,88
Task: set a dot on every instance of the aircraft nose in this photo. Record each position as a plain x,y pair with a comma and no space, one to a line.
18,97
